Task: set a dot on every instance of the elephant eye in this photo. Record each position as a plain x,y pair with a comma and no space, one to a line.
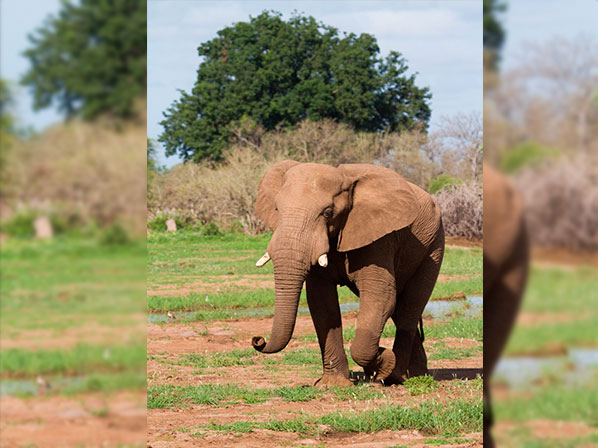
275,208
327,213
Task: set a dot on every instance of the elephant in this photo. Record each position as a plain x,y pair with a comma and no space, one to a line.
362,226
506,261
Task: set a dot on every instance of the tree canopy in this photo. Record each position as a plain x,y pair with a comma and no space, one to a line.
278,73
494,34
90,59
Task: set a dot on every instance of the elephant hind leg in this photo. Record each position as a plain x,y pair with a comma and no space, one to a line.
408,347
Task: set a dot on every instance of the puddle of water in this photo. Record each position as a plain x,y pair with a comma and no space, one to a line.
579,366
18,387
30,387
437,309
470,307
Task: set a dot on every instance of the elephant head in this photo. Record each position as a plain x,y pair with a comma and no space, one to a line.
315,209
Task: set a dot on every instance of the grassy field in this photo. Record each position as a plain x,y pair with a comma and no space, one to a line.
202,364
558,408
72,314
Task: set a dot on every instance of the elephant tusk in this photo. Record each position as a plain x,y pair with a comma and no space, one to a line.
262,261
323,260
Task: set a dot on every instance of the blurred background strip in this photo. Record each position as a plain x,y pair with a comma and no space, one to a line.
72,228
540,130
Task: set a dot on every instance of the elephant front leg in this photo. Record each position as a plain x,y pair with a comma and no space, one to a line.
377,301
322,299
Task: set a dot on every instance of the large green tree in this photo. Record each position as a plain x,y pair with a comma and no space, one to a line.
494,34
278,73
90,59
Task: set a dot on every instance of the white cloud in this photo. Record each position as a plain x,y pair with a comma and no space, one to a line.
424,23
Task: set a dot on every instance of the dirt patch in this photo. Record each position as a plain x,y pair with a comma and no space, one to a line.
214,284
91,420
559,257
67,338
216,336
262,437
459,241
546,430
529,319
442,278
226,283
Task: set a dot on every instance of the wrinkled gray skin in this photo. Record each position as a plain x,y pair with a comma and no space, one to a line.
506,260
383,238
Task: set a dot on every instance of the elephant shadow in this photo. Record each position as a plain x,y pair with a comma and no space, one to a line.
437,374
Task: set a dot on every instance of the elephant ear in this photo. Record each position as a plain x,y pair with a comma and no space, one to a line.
383,202
269,187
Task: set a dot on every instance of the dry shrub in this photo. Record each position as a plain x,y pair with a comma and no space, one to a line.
226,193
462,209
561,200
93,170
324,141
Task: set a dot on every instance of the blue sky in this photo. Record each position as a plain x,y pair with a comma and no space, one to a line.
541,20
441,40
18,18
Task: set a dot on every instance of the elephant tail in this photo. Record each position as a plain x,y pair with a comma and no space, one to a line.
421,329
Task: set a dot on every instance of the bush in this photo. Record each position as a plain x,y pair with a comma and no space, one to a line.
525,154
442,181
157,223
210,229
561,203
89,170
462,210
19,225
114,235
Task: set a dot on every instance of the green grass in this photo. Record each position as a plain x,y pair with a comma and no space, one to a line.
439,350
553,290
557,402
457,327
49,288
60,284
70,386
175,258
461,261
428,417
170,396
81,359
448,419
468,286
420,385
298,393
237,357
547,339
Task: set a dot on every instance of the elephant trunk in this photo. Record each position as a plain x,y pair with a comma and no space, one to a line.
290,255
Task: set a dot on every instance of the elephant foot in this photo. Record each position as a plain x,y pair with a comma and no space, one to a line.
332,380
394,379
386,364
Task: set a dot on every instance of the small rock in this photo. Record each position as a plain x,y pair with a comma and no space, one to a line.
170,225
43,227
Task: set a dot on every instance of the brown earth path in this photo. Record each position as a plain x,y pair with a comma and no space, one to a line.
90,420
